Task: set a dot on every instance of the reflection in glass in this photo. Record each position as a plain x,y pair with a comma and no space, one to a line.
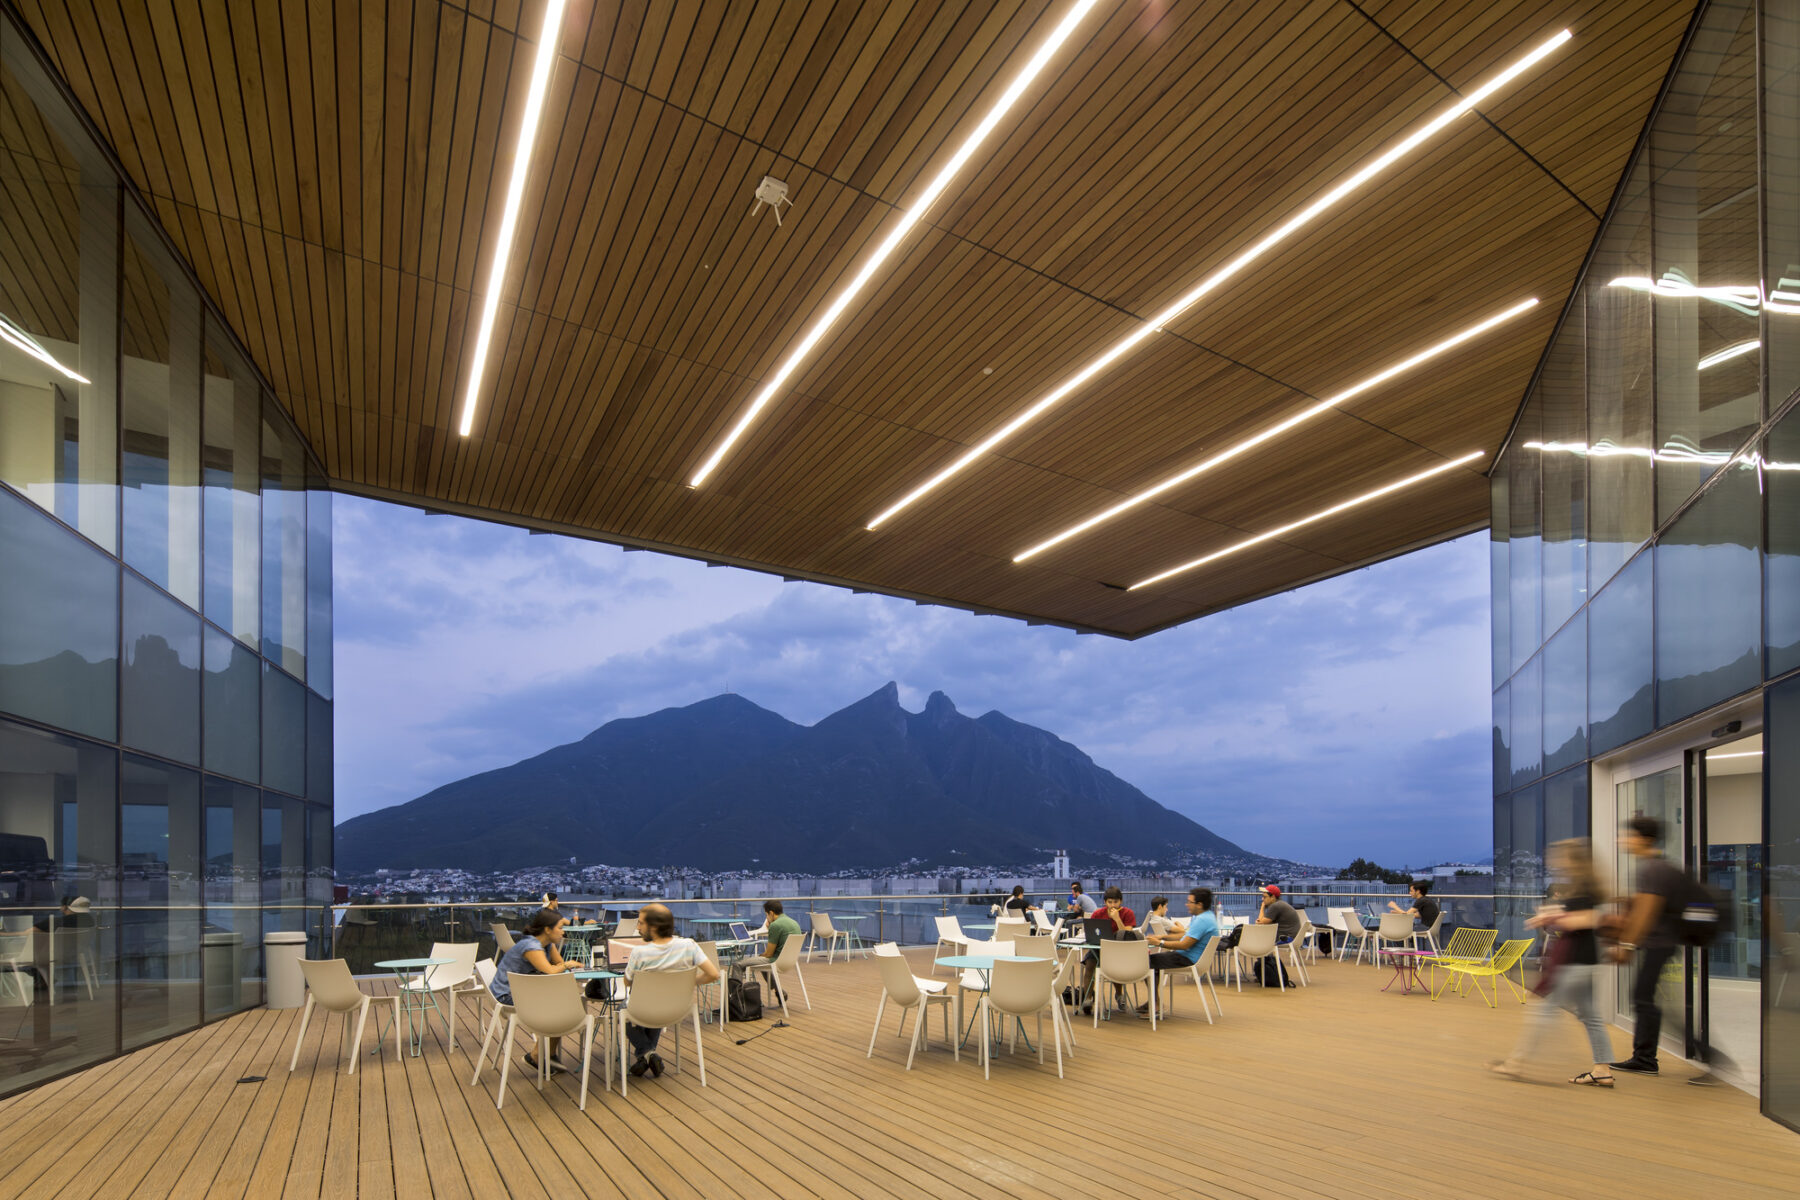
159,690
1566,813
1620,386
233,707
1525,534
1499,586
231,949
1781,913
284,547
232,459
58,801
1527,721
159,900
59,258
283,864
1709,599
1563,415
1703,184
59,624
1502,737
318,749
1781,196
1565,697
160,400
1526,878
1504,906
1620,637
283,733
1781,482
318,592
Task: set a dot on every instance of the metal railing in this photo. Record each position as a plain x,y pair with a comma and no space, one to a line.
365,933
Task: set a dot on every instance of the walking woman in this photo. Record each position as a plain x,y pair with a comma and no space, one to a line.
1572,961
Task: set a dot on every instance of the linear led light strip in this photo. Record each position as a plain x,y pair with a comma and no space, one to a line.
1318,516
548,35
1276,430
15,336
1268,242
908,219
1742,297
1727,354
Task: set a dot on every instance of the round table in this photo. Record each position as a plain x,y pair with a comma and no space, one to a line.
983,963
989,926
414,1000
1406,968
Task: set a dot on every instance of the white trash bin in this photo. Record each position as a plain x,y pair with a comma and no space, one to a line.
283,952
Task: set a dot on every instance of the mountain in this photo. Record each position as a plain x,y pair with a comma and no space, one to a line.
725,784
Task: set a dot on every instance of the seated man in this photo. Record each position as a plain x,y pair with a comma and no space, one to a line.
1182,946
1158,919
777,928
1424,909
1124,922
661,951
1279,913
1079,901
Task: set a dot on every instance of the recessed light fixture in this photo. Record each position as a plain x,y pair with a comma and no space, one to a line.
1728,353
889,244
1276,430
548,34
1243,259
1318,516
15,335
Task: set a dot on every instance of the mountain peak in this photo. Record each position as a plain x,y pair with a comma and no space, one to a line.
939,708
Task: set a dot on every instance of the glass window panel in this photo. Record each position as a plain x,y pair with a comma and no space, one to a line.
1781,197
59,624
159,689
318,592
1503,902
1525,537
1566,812
318,749
1781,1022
159,900
1502,740
1620,637
58,815
319,876
160,403
283,544
1499,587
59,259
1527,717
1563,413
233,508
1709,599
1526,877
283,733
1565,696
283,864
1781,484
1620,386
1703,189
233,707
231,945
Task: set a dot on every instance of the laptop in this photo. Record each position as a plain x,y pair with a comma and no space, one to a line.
740,932
1093,929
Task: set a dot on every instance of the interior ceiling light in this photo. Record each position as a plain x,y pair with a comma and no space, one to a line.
15,335
1276,430
889,244
548,35
1257,249
1318,516
1728,353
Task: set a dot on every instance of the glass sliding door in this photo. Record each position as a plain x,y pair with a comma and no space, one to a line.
1729,828
1659,795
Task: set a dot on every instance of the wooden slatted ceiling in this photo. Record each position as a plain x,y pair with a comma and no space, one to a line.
334,171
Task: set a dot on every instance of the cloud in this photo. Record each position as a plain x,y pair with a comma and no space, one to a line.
1345,718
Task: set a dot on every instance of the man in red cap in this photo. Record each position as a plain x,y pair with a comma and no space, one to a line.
1279,913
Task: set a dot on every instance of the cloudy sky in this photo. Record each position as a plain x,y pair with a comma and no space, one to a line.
1348,718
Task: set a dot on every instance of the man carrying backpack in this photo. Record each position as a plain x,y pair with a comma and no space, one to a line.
1652,929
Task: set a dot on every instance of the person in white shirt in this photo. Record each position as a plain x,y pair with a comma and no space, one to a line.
1158,922
661,951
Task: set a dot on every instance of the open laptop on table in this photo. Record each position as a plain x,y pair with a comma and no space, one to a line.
1093,929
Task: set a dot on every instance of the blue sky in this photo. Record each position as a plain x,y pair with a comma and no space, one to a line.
1347,718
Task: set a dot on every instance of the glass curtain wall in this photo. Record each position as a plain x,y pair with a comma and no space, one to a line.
165,622
1646,543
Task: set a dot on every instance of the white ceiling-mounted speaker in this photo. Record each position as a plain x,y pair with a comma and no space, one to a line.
772,192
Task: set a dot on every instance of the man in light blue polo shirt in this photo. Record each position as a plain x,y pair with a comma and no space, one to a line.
1180,949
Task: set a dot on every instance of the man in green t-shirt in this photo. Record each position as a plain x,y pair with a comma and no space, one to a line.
778,928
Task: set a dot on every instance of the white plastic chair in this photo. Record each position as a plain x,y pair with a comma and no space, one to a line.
722,1013
949,931
548,1006
1430,935
1396,930
1201,971
1040,920
1011,929
1256,943
1019,990
1124,963
900,985
329,987
785,963
1356,931
448,981
663,1000
823,930
1296,951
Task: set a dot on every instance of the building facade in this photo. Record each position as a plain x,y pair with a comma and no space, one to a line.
165,621
1646,545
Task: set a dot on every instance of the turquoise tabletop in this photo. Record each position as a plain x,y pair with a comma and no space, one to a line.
413,964
977,927
849,916
714,920
596,974
980,962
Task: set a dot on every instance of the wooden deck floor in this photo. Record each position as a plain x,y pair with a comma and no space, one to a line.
1340,1091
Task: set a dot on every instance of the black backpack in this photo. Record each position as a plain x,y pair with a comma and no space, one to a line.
743,1000
1702,913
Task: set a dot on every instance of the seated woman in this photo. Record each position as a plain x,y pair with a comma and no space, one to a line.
661,951
537,953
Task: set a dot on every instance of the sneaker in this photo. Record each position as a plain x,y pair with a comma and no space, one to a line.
1705,1079
639,1067
656,1065
1637,1068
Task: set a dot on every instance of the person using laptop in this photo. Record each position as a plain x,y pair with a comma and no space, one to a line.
777,928
1157,920
1080,901
1017,905
1181,946
1115,920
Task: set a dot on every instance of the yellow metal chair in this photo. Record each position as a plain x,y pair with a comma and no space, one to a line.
1466,947
1510,955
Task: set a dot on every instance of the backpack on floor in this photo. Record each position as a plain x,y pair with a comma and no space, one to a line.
743,1001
